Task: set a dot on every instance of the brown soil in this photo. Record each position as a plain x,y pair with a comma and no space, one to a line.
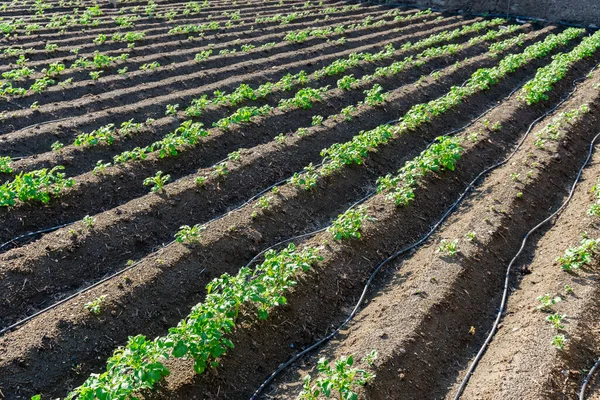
420,310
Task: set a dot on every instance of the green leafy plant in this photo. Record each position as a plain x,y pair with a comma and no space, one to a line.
234,156
448,248
95,305
547,301
348,224
56,146
100,167
200,180
536,89
556,321
202,335
39,185
89,221
5,167
157,182
263,202
95,75
172,109
577,257
559,341
189,234
340,378
375,96
306,180
221,170
594,209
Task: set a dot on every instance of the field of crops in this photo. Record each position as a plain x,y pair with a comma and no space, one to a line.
296,199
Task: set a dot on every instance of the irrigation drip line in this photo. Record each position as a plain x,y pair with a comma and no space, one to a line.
46,230
424,238
517,18
588,379
43,123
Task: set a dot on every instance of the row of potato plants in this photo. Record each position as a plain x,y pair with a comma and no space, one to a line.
355,151
535,90
102,61
138,365
189,133
304,98
99,61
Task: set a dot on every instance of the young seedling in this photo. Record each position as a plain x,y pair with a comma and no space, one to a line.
200,181
263,202
172,109
100,167
317,120
307,180
234,156
340,378
348,224
189,234
221,170
157,181
89,221
280,138
559,341
577,257
547,301
470,236
556,321
56,146
94,305
5,167
448,248
568,289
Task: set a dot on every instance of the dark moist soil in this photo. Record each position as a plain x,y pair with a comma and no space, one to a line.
37,40
24,266
381,237
168,53
521,352
175,57
122,227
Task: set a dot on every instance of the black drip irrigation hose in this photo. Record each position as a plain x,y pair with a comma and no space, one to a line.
43,123
494,329
588,379
46,230
507,15
432,230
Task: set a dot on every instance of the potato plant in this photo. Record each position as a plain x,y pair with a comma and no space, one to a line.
339,379
35,186
348,224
